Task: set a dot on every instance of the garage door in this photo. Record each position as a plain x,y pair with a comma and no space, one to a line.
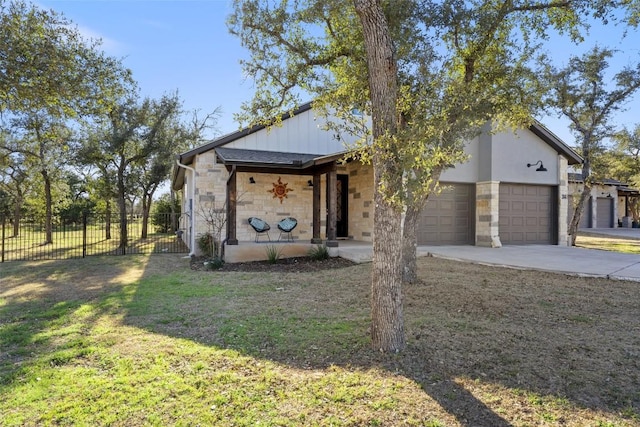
526,214
449,217
604,212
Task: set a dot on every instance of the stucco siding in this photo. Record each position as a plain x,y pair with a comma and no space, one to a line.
468,171
512,151
504,157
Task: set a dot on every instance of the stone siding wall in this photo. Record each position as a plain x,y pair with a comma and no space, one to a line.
256,200
563,202
210,192
360,200
487,214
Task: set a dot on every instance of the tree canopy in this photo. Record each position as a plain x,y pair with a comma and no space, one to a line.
429,74
581,92
45,64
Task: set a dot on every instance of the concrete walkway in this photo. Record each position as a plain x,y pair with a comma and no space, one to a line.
561,259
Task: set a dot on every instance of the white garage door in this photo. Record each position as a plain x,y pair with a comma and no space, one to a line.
449,217
526,214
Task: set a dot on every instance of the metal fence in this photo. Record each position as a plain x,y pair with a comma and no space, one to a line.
92,234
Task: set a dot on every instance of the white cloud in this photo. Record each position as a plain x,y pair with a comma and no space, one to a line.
109,45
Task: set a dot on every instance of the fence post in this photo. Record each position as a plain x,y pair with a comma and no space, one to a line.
84,234
2,249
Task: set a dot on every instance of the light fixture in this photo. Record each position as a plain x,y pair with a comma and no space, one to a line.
541,168
251,180
310,183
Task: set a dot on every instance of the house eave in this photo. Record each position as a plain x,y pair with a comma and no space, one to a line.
555,142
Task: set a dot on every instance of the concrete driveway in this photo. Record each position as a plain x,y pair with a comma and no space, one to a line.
561,259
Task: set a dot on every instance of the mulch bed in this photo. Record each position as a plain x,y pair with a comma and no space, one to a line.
284,265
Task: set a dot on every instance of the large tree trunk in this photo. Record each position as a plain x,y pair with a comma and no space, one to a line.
145,215
577,214
107,219
48,229
410,244
387,322
147,199
122,206
17,217
584,195
410,229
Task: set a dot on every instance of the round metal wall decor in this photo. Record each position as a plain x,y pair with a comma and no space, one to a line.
280,189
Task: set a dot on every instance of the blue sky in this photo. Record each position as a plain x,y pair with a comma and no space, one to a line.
184,45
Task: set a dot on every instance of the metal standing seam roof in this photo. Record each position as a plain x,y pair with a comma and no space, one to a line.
230,156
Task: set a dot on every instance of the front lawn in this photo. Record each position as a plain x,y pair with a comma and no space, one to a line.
145,340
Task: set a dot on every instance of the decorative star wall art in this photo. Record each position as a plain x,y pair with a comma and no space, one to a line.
280,190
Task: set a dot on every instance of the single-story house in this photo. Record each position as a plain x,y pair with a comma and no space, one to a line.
513,190
607,206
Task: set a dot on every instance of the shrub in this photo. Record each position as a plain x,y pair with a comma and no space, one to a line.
319,253
207,244
273,254
214,263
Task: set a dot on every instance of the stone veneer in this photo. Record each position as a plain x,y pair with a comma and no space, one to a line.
360,200
255,200
487,214
211,190
563,202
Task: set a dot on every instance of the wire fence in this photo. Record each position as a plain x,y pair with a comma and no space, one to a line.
92,234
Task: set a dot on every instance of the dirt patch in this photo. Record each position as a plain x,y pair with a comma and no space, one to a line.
285,265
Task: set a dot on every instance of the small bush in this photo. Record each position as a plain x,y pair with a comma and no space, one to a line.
214,264
207,245
273,254
319,253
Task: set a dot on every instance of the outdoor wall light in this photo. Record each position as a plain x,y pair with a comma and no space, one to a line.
541,168
310,183
251,180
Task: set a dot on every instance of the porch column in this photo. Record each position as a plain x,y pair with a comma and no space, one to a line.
316,239
332,206
232,195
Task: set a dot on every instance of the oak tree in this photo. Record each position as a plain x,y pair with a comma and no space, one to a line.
428,74
582,93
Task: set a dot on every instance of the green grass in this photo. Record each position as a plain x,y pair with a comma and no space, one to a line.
68,242
146,341
614,244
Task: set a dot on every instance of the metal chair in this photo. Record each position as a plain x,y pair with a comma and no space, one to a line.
286,225
260,227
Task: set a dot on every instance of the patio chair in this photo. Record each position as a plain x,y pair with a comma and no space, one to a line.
260,227
286,226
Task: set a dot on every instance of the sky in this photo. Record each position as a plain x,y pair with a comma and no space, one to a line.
185,45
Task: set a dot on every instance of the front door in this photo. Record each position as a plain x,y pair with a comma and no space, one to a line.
342,196
342,206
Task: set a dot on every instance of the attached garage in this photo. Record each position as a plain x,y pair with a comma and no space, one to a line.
449,217
527,214
604,212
